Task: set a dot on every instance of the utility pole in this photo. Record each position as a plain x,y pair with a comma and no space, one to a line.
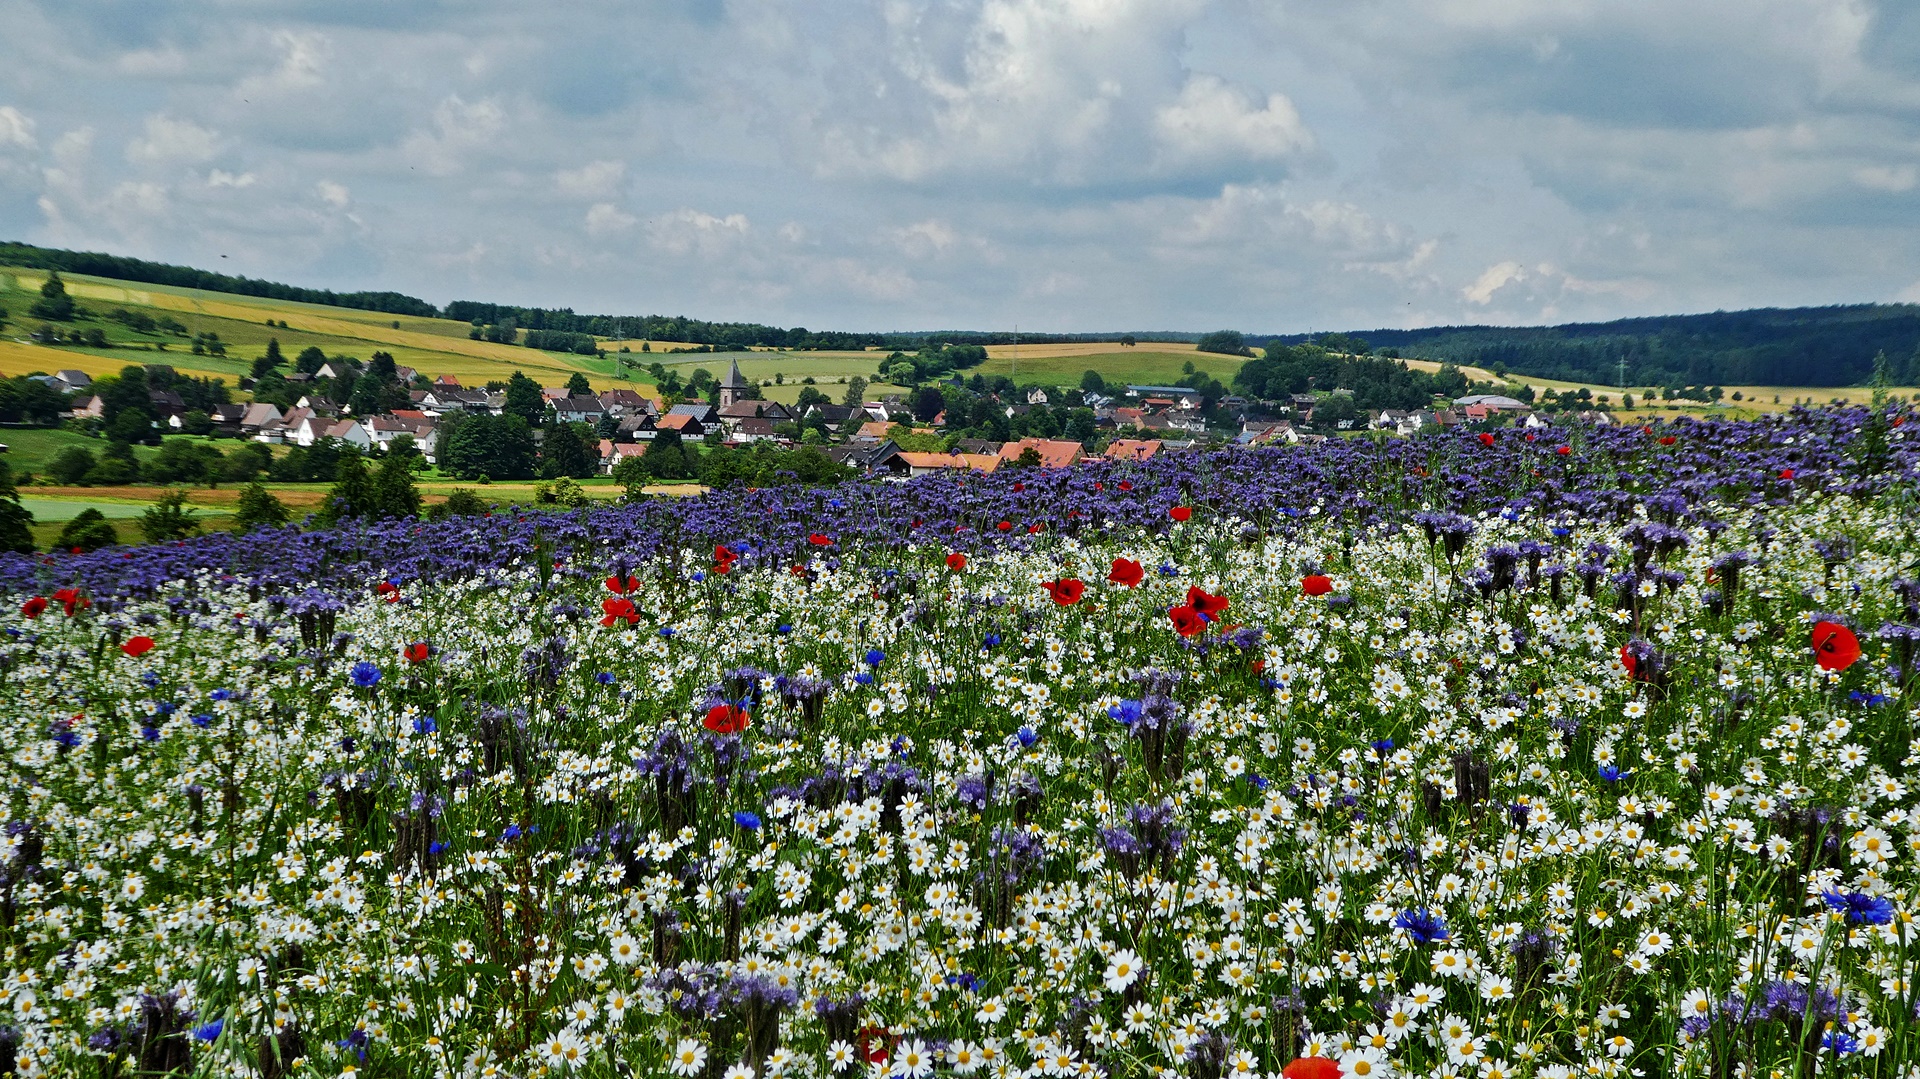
1016,352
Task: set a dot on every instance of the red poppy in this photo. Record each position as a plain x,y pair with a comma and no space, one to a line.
1126,485
1786,473
1099,486
726,719
621,586
1186,620
1207,604
1668,440
1486,438
797,570
1180,513
1035,528
1835,647
1316,584
139,646
1563,450
1066,591
34,607
1311,1068
1626,660
723,559
385,588
417,652
956,561
876,1045
72,600
1019,487
1125,571
1005,526
819,540
617,609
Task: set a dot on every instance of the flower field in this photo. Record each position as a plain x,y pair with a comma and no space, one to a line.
1586,753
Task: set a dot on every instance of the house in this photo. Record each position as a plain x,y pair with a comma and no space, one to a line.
1053,453
332,369
1535,421
1302,402
921,464
93,409
1036,396
166,404
635,427
578,408
834,415
1129,417
405,374
751,429
732,386
1187,419
623,451
445,382
688,426
748,410
1492,402
881,458
554,394
382,430
875,430
1131,449
978,445
1387,419
71,380
1265,433
258,415
1445,417
226,418
705,414
622,402
347,431
1186,395
1157,404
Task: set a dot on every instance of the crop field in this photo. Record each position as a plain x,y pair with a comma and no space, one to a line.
1584,752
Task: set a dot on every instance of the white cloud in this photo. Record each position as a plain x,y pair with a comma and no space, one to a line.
929,237
1496,277
1890,178
594,180
333,193
604,218
459,129
1213,120
168,141
16,129
219,178
303,60
685,231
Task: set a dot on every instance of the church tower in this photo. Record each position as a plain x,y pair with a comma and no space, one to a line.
731,386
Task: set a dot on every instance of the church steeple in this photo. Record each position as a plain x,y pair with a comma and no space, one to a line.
731,386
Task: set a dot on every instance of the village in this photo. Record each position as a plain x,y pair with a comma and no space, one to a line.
880,438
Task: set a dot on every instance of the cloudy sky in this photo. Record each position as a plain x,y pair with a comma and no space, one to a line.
1065,165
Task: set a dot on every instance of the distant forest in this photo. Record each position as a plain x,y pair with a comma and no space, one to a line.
1803,346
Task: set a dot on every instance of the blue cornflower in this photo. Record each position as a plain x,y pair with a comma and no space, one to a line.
221,695
1168,569
512,833
992,640
863,678
151,734
699,575
1126,712
1841,1042
1560,531
1382,746
1611,774
1259,782
1028,736
605,678
365,675
203,720
666,631
1422,924
875,657
783,628
68,738
749,821
436,848
1860,908
207,1032
425,725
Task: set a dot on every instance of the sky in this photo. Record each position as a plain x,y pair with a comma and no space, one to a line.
1272,166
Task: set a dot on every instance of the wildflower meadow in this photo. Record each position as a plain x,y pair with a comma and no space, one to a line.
1581,752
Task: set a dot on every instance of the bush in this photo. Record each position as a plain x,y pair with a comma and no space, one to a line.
1223,342
461,503
87,532
258,509
71,465
169,519
564,492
